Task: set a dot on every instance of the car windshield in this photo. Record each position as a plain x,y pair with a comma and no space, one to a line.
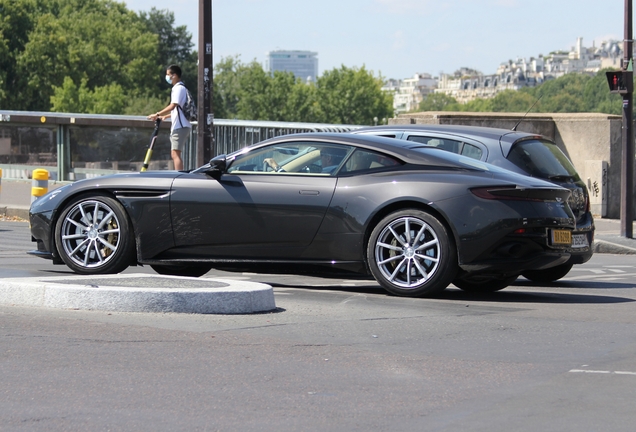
542,159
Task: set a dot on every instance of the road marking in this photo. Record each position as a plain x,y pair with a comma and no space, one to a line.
601,372
600,277
616,270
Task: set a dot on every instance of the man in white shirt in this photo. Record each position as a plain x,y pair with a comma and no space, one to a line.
181,127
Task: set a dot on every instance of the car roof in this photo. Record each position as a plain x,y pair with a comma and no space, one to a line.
407,151
476,132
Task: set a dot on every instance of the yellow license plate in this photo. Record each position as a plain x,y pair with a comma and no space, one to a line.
561,237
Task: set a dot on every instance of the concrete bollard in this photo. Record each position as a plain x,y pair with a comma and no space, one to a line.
40,183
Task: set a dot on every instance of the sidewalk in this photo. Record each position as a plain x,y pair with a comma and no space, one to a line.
15,199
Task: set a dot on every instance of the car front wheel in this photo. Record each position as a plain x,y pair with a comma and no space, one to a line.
93,236
410,253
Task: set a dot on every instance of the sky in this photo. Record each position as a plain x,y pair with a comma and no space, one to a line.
399,38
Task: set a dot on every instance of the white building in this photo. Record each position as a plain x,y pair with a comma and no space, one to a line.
303,64
409,92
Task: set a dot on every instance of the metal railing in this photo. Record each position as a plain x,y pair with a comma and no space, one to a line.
74,146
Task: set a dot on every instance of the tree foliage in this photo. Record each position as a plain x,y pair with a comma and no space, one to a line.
342,96
570,93
85,55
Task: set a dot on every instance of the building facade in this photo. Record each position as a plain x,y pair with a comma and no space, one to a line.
519,73
409,92
303,64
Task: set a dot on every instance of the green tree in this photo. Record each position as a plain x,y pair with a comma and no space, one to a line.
439,102
512,101
174,47
66,42
351,96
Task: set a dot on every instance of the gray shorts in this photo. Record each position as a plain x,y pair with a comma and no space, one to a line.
178,138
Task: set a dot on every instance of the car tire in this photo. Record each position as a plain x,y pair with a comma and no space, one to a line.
483,285
181,270
93,235
548,275
411,253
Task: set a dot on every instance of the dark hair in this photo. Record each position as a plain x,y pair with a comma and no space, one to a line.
175,70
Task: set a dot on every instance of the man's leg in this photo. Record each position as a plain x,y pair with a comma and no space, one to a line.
178,138
176,158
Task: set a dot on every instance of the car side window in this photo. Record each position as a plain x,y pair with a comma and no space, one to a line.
471,151
292,158
453,146
367,160
440,143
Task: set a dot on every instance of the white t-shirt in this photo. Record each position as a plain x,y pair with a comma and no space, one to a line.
178,96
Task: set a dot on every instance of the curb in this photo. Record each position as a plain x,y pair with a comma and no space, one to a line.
139,293
20,212
607,247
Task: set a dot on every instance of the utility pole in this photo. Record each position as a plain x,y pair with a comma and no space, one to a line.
627,163
205,111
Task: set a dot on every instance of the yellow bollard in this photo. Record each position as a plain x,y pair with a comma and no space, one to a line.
40,183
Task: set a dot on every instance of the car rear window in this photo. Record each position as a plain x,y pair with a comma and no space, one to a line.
542,159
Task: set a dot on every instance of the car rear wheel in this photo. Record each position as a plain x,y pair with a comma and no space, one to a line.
477,284
410,253
93,236
181,270
548,275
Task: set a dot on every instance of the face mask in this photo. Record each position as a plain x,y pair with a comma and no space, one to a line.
168,79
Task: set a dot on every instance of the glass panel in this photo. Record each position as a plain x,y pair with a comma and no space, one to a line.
541,159
440,143
293,157
28,145
96,150
471,151
366,160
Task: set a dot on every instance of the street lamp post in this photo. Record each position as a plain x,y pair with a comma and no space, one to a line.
205,111
627,163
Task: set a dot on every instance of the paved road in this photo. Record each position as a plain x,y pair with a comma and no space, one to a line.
337,355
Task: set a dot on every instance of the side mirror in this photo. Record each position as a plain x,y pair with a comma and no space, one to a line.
218,166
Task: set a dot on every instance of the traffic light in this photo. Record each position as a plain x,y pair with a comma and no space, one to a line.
620,81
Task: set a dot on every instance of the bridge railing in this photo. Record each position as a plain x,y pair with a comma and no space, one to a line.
75,146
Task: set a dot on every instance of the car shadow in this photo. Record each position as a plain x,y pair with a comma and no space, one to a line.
512,294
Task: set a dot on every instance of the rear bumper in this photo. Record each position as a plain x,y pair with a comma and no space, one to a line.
514,266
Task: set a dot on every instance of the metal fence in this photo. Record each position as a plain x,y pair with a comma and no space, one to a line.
75,146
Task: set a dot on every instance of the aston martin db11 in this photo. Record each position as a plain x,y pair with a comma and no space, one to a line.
413,217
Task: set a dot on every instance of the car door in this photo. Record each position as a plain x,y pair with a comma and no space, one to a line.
251,211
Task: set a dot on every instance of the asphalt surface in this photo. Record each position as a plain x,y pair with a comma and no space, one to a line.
335,355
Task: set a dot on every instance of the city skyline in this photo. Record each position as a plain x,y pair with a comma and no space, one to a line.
397,38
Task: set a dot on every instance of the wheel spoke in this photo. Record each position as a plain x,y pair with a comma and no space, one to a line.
397,270
421,269
390,247
105,220
427,258
105,243
427,245
393,258
397,236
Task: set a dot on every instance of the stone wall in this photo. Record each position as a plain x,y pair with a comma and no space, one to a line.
584,138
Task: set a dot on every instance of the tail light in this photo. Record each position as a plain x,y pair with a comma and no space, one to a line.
515,193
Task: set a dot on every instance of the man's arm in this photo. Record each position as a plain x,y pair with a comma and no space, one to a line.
164,113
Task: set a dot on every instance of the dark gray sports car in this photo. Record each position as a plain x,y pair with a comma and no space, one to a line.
413,217
521,152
